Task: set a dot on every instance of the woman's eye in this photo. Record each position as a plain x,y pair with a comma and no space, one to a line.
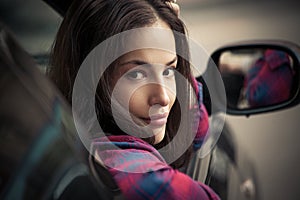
169,72
136,75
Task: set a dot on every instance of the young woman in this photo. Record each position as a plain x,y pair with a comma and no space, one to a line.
143,87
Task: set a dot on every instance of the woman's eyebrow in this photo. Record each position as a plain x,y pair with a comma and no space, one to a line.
141,62
172,61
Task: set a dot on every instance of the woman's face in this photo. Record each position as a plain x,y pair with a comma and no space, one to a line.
144,84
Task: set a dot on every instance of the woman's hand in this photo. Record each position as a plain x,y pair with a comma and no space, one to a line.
174,6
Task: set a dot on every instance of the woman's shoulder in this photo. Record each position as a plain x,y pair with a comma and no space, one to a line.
128,153
142,173
123,142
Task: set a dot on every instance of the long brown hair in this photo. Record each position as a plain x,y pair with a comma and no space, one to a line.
88,23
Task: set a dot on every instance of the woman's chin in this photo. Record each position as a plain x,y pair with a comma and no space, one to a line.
159,134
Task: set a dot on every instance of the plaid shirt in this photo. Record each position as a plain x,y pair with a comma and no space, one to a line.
142,173
269,81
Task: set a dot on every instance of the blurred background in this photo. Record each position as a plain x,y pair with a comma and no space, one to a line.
211,22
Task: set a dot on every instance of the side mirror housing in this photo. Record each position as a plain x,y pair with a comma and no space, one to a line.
259,76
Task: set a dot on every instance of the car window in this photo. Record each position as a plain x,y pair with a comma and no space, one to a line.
34,25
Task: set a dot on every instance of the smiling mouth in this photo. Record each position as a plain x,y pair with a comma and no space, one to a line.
157,120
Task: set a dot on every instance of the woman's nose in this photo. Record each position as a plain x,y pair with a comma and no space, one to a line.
158,95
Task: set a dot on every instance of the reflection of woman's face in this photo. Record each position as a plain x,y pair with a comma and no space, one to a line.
145,84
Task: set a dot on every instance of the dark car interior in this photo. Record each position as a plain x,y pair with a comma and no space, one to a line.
59,6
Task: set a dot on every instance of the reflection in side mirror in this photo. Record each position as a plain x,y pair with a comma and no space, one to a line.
257,77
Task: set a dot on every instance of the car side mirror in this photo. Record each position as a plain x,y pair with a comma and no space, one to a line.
259,76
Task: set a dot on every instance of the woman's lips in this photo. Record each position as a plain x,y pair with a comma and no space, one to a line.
157,120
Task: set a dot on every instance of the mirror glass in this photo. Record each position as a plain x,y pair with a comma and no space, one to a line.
256,77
